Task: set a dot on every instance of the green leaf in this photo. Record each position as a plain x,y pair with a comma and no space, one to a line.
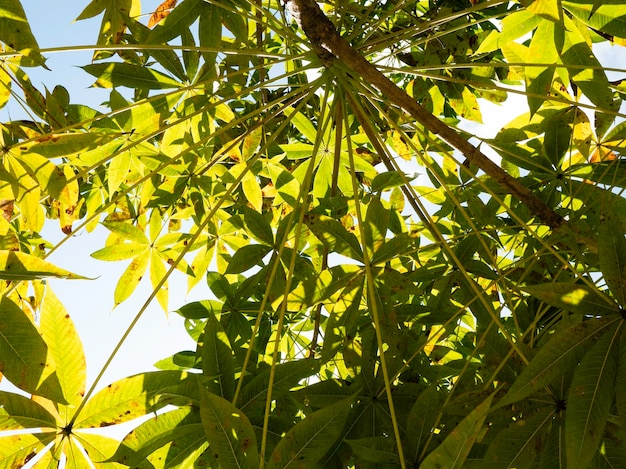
376,449
24,356
620,380
285,183
16,266
286,376
421,420
589,74
247,257
173,426
608,17
59,332
520,444
558,136
542,50
218,362
590,399
179,19
258,226
17,412
333,234
128,398
572,297
388,180
307,441
229,432
548,363
113,74
456,447
612,251
210,34
15,30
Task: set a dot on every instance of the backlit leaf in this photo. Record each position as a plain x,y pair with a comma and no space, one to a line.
113,74
59,332
128,398
16,266
24,356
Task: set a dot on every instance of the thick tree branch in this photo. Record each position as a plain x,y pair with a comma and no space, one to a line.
327,42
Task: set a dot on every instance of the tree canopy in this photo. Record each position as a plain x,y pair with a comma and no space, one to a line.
387,287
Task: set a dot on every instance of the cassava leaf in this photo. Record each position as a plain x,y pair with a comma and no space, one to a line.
218,362
580,299
18,412
308,440
16,266
612,251
590,399
456,447
113,74
128,398
59,332
229,432
547,364
24,356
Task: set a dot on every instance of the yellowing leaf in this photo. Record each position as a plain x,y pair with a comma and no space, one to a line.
161,12
131,277
17,266
58,330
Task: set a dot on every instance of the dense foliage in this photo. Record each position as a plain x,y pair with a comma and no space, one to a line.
383,294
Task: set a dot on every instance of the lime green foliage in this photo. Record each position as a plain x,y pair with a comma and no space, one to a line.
376,294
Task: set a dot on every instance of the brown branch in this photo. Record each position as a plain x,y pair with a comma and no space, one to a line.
327,43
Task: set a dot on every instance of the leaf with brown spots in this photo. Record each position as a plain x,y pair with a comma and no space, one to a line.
161,12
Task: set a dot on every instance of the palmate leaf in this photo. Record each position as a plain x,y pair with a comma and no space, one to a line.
547,364
590,399
229,432
24,356
308,440
59,333
455,448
